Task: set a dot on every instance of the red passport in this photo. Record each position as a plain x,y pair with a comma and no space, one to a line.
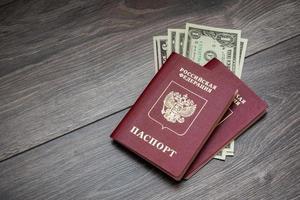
246,109
175,114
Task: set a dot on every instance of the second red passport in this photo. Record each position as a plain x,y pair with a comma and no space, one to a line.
246,109
175,114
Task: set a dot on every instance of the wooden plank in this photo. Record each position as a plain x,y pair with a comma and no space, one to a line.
69,63
5,2
85,164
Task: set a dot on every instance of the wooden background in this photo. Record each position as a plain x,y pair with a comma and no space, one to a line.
70,69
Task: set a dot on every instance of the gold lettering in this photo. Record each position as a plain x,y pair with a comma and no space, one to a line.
134,130
160,146
145,136
152,141
197,81
140,134
166,148
172,153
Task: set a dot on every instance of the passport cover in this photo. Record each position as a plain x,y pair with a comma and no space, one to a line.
175,114
243,112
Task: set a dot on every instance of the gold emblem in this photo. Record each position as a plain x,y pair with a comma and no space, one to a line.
177,107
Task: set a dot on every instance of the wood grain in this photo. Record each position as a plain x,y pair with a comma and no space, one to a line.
65,64
85,164
5,2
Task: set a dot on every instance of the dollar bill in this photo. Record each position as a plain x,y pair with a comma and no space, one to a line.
176,40
220,155
229,149
160,44
155,51
180,36
202,43
243,48
171,41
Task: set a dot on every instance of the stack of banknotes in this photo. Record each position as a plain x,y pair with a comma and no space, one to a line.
200,44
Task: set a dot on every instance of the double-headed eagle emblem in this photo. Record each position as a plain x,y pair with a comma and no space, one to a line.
177,107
